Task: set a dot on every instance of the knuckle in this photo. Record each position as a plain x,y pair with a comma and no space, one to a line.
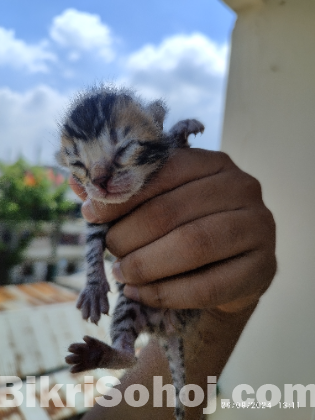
152,295
113,243
200,241
235,235
213,296
160,216
271,270
253,186
270,225
225,158
250,186
270,220
266,227
158,295
268,269
135,269
202,299
273,266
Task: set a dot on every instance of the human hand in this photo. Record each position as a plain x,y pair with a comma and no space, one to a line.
197,236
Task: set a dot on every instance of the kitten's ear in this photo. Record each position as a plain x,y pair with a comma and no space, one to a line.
158,110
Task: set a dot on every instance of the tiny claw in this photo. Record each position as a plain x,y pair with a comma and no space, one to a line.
85,311
80,302
94,321
104,305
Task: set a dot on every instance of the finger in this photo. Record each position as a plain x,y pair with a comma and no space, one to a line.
77,188
207,240
184,166
196,199
228,285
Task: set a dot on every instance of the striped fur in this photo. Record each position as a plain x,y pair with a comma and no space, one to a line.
113,142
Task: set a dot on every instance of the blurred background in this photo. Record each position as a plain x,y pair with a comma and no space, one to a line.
175,50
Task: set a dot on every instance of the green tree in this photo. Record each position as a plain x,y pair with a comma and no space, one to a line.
29,195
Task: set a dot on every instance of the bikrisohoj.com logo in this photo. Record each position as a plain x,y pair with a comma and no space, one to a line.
38,391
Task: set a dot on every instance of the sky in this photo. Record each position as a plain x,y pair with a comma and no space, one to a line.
177,50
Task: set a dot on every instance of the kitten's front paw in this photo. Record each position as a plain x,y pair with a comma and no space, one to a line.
187,127
86,356
181,131
193,127
93,301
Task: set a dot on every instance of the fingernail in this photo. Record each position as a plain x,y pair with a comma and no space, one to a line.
132,292
88,211
117,273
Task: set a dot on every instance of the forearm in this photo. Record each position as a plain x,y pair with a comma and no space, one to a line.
207,350
152,362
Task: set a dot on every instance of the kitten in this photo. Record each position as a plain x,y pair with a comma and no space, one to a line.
113,143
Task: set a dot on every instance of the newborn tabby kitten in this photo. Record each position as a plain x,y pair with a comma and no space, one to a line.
113,143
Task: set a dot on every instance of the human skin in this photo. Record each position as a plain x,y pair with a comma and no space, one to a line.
198,235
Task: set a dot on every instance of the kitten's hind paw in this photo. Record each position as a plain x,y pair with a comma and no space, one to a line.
95,354
86,356
93,301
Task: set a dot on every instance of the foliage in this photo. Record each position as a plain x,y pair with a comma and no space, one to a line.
31,193
28,196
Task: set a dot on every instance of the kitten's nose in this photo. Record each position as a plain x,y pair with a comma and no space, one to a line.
101,181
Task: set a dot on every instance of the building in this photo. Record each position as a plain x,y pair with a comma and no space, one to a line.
269,131
38,322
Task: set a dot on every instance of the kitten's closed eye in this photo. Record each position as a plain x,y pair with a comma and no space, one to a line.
123,149
78,164
79,171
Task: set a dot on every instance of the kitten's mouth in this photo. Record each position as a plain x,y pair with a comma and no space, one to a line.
110,195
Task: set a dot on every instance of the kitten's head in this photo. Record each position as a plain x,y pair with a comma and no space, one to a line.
112,143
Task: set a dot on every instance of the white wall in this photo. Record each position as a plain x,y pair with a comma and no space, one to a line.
269,131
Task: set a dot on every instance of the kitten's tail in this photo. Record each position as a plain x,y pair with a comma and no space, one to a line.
174,349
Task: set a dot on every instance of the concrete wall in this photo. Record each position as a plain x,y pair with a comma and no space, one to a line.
269,131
